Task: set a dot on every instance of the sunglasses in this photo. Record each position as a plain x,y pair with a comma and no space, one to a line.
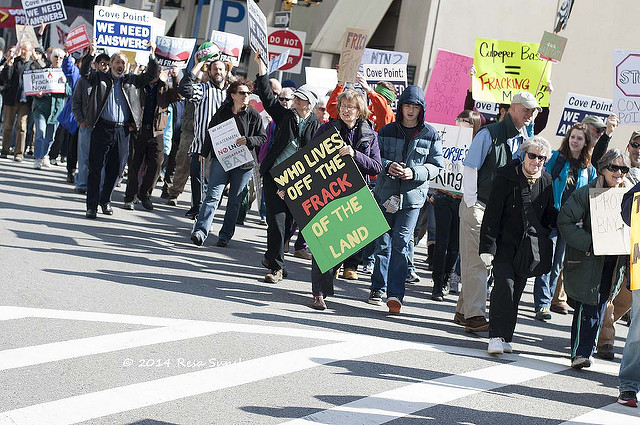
614,168
532,156
285,99
599,130
634,145
244,93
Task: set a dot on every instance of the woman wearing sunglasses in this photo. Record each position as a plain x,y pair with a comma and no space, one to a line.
570,168
249,122
591,280
503,228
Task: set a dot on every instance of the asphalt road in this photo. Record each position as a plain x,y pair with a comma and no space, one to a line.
122,320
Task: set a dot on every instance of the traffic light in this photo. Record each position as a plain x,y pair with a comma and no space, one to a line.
313,1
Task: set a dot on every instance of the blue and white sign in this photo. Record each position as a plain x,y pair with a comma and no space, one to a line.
121,28
578,106
44,11
455,145
258,31
278,62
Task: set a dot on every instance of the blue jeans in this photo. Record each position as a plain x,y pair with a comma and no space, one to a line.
545,285
218,179
392,252
44,135
84,141
630,366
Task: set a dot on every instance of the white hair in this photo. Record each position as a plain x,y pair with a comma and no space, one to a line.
536,142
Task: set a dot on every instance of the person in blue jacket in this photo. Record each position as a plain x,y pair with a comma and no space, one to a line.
411,153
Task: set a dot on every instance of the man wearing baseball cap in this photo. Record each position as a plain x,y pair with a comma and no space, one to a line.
596,126
493,147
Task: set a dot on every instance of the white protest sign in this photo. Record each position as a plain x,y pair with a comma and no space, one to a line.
609,233
44,11
353,46
45,81
278,62
377,56
322,79
455,145
121,28
172,51
626,87
394,74
229,153
578,106
230,46
26,33
58,34
258,31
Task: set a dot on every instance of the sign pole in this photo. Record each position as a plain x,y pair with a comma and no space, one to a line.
544,71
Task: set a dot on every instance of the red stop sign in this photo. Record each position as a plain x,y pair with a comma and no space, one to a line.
283,40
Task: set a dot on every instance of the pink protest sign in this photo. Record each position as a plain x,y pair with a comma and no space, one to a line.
447,87
77,39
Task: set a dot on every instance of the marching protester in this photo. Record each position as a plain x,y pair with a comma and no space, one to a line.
361,143
411,153
113,113
295,127
591,280
252,134
493,147
521,201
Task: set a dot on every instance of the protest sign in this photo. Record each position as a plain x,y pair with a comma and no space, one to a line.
58,33
626,88
455,145
610,235
77,39
26,33
505,68
353,45
87,25
258,31
394,74
635,242
44,11
488,109
384,57
45,81
322,79
230,46
329,200
172,51
12,16
122,28
552,47
447,88
281,40
229,153
578,106
278,62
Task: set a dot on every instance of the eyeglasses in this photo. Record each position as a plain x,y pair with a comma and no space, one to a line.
348,108
104,64
464,120
285,99
57,57
600,130
634,145
532,156
320,108
614,168
243,93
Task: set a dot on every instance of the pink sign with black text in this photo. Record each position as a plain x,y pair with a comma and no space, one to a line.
447,88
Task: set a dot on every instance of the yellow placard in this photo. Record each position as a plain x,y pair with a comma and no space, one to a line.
635,242
505,68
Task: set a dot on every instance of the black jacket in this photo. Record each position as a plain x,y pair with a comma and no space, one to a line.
249,124
286,124
502,226
102,83
11,79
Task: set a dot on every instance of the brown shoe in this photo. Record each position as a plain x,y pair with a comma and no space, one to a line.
476,324
302,253
561,308
394,305
349,274
318,303
459,319
273,276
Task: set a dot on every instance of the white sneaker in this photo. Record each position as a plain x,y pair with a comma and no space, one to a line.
45,162
37,164
506,347
496,346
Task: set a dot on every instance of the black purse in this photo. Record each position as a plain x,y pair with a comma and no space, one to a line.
535,251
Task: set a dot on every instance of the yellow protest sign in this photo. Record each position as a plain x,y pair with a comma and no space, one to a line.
635,242
505,68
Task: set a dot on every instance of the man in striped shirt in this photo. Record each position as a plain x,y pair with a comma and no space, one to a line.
207,97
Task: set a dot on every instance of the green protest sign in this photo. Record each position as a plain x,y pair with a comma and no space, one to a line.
329,200
552,47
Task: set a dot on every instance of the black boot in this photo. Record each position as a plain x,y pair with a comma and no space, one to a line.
430,249
437,294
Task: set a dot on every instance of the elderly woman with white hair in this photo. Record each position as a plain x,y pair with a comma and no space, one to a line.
522,194
591,280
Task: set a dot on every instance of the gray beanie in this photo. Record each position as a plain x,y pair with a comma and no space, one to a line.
304,92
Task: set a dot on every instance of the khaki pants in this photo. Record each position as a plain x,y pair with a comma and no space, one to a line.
17,113
559,296
183,165
615,310
472,301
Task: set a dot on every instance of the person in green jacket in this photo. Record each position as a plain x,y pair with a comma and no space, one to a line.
591,280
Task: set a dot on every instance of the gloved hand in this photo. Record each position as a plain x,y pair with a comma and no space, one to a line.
487,259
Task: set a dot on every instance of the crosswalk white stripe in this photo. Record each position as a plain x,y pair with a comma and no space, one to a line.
43,353
613,414
393,404
107,402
